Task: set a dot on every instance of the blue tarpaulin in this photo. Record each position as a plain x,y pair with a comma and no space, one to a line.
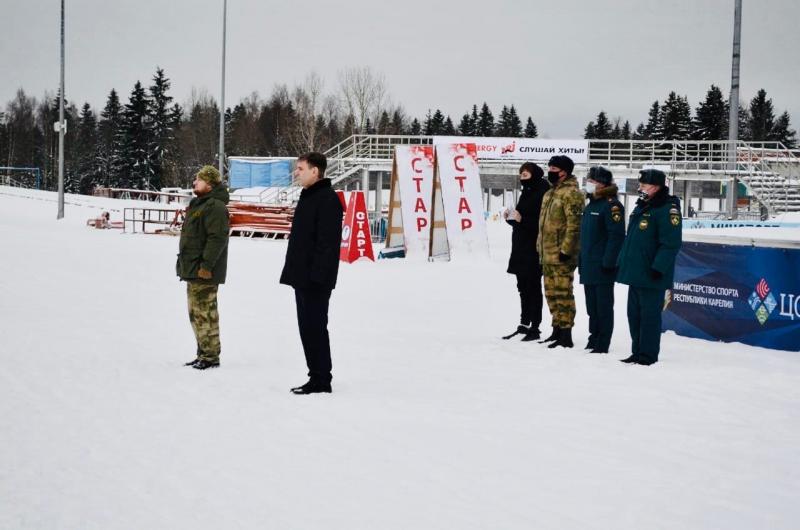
268,174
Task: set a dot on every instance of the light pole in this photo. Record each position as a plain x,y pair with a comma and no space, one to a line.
222,95
61,127
733,116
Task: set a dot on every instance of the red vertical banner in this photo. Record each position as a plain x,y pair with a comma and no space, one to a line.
356,238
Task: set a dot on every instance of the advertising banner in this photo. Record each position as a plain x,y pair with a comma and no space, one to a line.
736,293
534,149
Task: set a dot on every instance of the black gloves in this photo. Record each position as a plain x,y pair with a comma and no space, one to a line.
563,258
656,275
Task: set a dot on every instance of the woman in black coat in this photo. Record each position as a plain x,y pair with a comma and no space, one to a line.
524,261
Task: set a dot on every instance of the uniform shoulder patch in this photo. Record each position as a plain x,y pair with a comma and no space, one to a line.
616,213
674,216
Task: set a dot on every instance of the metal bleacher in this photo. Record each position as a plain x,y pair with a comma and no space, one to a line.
769,170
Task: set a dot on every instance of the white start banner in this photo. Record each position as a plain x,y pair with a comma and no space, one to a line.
535,149
412,192
461,198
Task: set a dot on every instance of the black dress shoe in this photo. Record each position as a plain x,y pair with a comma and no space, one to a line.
202,364
597,350
312,388
521,329
645,362
590,345
631,359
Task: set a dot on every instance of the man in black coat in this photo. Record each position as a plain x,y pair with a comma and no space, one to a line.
524,260
312,265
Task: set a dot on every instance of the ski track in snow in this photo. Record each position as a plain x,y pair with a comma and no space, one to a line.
434,422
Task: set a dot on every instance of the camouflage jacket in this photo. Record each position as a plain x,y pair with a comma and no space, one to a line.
560,223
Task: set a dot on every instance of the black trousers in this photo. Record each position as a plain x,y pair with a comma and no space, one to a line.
529,285
600,306
644,319
312,321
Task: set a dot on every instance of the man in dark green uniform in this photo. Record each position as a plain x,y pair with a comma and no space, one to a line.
602,234
203,262
647,262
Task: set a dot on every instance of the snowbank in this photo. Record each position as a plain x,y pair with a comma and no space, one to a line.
434,422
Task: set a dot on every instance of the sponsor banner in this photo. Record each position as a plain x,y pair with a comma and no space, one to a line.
356,239
410,199
462,199
736,294
521,148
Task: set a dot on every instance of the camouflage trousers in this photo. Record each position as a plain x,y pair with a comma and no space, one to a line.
558,291
204,317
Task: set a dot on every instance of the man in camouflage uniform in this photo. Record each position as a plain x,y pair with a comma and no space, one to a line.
558,245
203,261
647,262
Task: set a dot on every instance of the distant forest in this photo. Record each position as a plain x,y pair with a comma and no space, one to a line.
150,141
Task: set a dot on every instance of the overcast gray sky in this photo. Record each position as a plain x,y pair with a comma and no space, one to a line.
560,61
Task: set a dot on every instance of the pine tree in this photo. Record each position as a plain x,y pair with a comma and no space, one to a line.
384,123
466,127
675,119
514,124
448,129
616,131
783,133
434,125
711,117
161,131
602,127
86,150
415,129
589,131
426,126
762,117
501,128
651,130
626,130
485,126
397,125
640,132
136,140
530,129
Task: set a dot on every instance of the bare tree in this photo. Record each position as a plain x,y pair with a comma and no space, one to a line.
307,100
364,94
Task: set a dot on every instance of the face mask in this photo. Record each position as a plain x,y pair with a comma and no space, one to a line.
552,177
643,195
590,188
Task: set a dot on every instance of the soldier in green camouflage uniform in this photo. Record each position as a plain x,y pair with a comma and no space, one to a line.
203,261
558,246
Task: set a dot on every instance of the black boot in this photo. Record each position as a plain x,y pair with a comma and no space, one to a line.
532,334
598,350
202,364
521,329
632,359
192,362
553,336
591,345
564,339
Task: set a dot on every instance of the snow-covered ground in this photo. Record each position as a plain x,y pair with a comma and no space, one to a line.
434,422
